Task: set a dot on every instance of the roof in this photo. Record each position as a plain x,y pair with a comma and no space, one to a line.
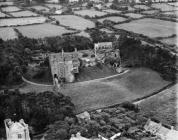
161,131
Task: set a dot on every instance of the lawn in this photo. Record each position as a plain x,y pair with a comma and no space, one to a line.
164,7
115,19
133,15
90,13
74,22
2,15
163,106
112,11
142,7
7,33
150,27
10,9
134,84
42,30
129,86
23,14
22,21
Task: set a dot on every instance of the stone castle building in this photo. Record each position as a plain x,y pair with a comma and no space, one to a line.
64,64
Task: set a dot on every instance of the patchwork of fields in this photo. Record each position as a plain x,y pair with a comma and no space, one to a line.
150,27
113,18
142,7
42,30
10,9
90,13
74,22
164,7
7,33
133,15
23,14
2,15
112,11
21,21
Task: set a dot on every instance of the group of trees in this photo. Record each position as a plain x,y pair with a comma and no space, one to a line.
135,55
38,110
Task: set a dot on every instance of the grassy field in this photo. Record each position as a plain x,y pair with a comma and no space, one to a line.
74,22
142,7
39,8
23,14
22,21
57,6
150,27
163,106
6,3
106,30
2,15
96,94
83,33
173,3
7,33
42,30
150,12
90,13
111,11
171,41
172,13
10,9
133,15
113,18
129,86
164,7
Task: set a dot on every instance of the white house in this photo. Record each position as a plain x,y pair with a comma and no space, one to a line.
16,130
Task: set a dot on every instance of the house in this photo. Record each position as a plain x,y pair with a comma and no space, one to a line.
64,64
16,130
162,132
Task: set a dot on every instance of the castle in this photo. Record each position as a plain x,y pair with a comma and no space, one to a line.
64,64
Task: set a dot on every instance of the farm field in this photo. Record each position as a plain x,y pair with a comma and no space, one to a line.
10,9
40,8
57,6
150,27
150,12
6,3
42,30
75,22
7,33
115,19
163,106
3,15
90,13
133,15
164,7
172,13
111,11
52,1
23,14
173,3
171,41
22,21
142,7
